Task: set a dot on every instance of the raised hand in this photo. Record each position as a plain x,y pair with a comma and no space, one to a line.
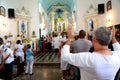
70,32
113,31
113,34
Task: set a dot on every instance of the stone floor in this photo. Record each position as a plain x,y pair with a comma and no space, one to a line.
42,73
46,67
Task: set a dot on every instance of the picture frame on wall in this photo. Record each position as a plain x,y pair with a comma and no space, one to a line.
109,5
2,11
117,34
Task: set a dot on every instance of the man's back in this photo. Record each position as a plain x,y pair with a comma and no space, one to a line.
81,45
100,66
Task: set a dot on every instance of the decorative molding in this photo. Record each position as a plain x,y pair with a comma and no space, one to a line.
91,20
92,10
22,11
23,16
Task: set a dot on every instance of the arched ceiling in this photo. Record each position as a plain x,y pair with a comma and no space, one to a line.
46,4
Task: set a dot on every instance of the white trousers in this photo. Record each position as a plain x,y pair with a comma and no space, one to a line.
29,66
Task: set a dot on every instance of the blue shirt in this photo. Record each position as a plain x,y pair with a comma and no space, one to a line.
29,54
40,43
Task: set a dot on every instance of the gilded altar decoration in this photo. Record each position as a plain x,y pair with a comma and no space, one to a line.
10,35
26,40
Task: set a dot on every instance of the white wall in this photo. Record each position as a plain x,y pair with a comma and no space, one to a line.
116,11
31,6
83,5
82,8
10,23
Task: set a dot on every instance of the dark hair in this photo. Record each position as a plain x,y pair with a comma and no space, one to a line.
76,37
28,46
18,42
82,34
1,40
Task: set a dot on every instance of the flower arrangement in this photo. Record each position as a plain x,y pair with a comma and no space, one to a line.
10,35
25,40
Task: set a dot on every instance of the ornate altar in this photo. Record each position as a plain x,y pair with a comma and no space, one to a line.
59,18
23,20
91,21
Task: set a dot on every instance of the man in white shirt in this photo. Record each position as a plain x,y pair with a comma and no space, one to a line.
19,53
102,64
56,42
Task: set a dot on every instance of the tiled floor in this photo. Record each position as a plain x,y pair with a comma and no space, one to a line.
43,73
46,67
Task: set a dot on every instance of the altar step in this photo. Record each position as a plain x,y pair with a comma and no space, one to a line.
49,58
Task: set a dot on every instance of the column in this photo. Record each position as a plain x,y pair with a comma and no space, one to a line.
52,21
66,19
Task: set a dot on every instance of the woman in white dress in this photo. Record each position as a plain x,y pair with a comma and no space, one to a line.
19,53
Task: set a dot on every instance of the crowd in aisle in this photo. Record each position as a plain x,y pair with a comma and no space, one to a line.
81,59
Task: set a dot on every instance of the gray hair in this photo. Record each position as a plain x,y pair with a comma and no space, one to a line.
103,35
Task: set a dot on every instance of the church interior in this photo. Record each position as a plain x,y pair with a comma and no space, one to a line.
29,20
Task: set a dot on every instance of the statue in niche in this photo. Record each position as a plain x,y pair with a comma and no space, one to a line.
59,26
33,33
23,26
91,28
23,29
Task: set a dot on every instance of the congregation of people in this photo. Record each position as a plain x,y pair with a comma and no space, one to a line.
18,56
22,55
89,60
99,62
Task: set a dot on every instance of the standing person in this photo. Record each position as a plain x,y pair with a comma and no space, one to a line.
29,60
80,45
62,41
64,65
56,42
8,59
1,65
103,63
40,44
19,53
49,42
7,42
20,36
